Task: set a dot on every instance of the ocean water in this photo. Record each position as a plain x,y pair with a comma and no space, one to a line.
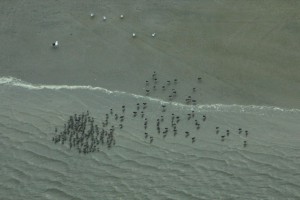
33,167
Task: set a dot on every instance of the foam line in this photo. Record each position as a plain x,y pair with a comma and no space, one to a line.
11,81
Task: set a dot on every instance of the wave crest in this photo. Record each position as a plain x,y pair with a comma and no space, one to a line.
12,81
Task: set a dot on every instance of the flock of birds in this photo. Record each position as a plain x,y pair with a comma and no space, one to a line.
104,18
81,132
153,86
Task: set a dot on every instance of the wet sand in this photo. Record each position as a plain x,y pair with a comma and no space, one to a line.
169,167
246,52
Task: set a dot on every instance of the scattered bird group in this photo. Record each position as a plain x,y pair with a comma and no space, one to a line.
81,132
92,15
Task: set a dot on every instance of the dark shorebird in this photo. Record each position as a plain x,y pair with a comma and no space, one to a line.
111,111
121,118
151,139
168,82
165,134
163,108
240,130
174,93
173,117
163,88
123,108
217,130
154,75
204,118
199,79
177,119
147,83
120,126
161,118
187,101
147,92
187,134
193,139
134,114
175,81
158,130
189,116
146,135
245,143
194,89
142,114
154,87
144,106
246,133
137,106
193,113
155,80
227,132
175,132
222,138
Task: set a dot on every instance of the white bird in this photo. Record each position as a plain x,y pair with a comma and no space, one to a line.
122,16
92,15
55,44
133,35
153,34
104,18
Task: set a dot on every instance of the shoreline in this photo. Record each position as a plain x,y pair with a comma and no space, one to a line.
243,57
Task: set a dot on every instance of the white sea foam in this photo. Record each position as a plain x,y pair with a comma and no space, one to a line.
14,82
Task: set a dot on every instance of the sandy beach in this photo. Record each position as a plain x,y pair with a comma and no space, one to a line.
246,52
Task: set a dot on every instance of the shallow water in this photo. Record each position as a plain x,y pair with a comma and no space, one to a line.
33,167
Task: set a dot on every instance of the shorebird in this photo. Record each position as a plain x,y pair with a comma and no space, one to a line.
55,44
217,130
153,34
223,138
246,132
240,130
151,139
187,134
163,108
193,139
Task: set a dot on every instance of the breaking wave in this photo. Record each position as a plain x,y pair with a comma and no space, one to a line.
14,82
